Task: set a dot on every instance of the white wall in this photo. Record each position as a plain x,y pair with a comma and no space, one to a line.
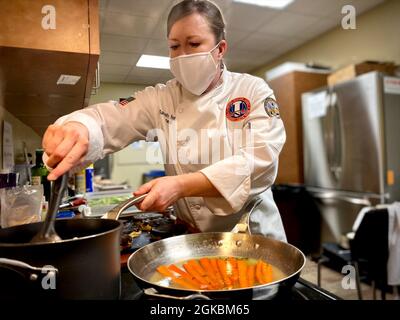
21,133
130,163
376,38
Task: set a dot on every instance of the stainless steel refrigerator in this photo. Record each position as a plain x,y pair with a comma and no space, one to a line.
351,137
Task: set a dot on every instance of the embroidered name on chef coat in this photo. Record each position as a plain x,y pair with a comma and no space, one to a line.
124,101
271,108
167,116
238,109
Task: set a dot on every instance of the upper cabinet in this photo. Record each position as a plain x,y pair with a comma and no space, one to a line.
41,40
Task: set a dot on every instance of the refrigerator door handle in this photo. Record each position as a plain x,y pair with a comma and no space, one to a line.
332,195
335,161
329,131
337,137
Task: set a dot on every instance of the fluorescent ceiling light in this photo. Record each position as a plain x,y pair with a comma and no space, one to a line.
156,62
275,4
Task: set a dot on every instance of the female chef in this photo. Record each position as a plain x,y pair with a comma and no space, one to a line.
219,131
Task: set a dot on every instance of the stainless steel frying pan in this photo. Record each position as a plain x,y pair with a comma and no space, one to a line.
290,260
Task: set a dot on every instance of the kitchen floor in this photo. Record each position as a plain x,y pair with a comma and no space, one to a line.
331,281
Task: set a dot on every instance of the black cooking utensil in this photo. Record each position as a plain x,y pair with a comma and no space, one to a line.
47,232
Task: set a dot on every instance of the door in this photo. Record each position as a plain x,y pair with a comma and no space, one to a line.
343,136
392,133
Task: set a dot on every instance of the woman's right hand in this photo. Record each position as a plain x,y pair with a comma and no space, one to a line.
65,146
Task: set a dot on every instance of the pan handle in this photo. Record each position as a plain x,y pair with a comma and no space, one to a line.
243,225
154,293
27,271
116,212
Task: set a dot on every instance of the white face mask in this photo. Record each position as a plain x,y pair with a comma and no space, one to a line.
195,72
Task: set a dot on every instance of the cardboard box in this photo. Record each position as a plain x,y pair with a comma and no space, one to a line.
354,70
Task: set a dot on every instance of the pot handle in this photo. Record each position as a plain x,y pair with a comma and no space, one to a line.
243,225
27,271
115,212
154,293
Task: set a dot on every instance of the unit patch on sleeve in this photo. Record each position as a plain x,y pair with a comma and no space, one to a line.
237,109
271,108
124,101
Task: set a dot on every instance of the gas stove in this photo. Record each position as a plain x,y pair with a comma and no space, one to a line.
143,228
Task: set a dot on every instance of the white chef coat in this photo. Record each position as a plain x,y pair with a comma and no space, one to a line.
113,126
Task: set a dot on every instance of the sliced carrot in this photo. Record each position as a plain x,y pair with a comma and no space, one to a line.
185,275
183,283
267,272
177,270
203,282
259,275
251,270
164,271
206,265
203,273
180,281
234,269
242,272
222,269
197,267
214,265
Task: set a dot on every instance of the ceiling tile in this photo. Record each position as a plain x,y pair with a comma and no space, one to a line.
110,57
247,17
111,78
118,69
288,24
123,24
288,44
234,36
246,55
312,7
117,43
256,41
157,47
318,28
160,31
146,8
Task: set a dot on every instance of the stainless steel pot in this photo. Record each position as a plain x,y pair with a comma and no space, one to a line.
84,266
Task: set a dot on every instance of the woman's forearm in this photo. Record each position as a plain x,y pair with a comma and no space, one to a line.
197,185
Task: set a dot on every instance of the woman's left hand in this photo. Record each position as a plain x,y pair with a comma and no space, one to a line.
162,192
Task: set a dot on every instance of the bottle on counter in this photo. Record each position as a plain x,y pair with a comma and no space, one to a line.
40,173
89,175
80,182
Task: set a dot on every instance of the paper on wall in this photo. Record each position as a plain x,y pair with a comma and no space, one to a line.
317,104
